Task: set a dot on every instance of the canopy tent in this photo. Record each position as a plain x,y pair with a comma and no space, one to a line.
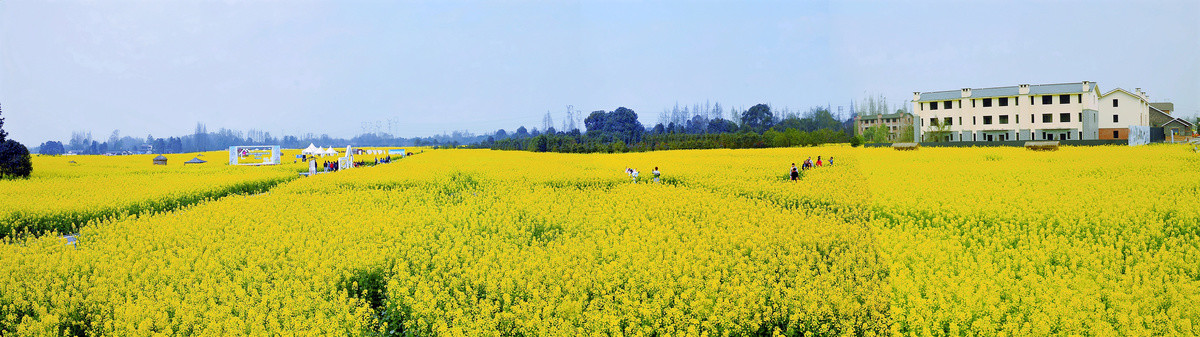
160,160
195,161
331,152
311,150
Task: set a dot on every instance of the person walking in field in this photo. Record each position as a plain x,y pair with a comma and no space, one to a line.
830,162
807,164
635,176
818,161
656,174
795,172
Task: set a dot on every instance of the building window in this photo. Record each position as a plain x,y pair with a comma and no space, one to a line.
1064,117
960,121
1064,99
933,105
1047,100
948,121
947,105
1003,101
987,102
974,120
1080,135
987,120
1031,120
1003,119
1115,119
1114,102
959,103
1030,100
1018,118
1080,116
1079,99
1115,133
972,103
933,121
1047,118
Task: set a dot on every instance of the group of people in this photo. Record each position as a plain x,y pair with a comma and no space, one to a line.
808,165
633,174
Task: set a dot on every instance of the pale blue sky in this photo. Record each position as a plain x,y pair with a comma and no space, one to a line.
293,67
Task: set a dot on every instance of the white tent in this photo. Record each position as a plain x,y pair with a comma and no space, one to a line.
311,150
331,152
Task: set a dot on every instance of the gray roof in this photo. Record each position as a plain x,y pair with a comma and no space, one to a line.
196,160
1036,89
940,96
160,157
1164,106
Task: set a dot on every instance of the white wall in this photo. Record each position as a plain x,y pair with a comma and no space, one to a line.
1024,109
1131,110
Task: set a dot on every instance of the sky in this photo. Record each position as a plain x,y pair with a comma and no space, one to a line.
326,67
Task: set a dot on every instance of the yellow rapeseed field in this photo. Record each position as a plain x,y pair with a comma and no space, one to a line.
934,242
71,190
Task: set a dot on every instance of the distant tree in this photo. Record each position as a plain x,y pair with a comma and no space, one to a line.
51,148
659,129
622,122
547,122
501,134
876,134
721,125
791,122
856,141
200,138
175,145
697,124
522,132
159,145
758,118
14,160
114,140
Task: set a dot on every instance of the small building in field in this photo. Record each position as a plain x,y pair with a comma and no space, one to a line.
160,160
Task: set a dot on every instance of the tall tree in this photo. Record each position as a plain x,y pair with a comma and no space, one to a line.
200,138
3,134
114,140
758,118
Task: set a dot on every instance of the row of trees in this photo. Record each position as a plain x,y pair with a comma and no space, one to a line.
201,139
621,131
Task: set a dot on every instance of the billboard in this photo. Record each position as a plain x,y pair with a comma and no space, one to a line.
254,155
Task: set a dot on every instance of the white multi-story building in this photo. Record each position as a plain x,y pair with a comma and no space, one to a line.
1066,111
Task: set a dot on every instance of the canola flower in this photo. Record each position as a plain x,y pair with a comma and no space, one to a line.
66,192
980,241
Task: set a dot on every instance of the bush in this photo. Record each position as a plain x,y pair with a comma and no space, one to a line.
14,160
856,141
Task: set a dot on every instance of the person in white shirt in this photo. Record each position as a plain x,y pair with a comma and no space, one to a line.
656,174
635,176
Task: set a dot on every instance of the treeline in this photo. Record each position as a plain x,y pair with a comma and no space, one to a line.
620,131
201,140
